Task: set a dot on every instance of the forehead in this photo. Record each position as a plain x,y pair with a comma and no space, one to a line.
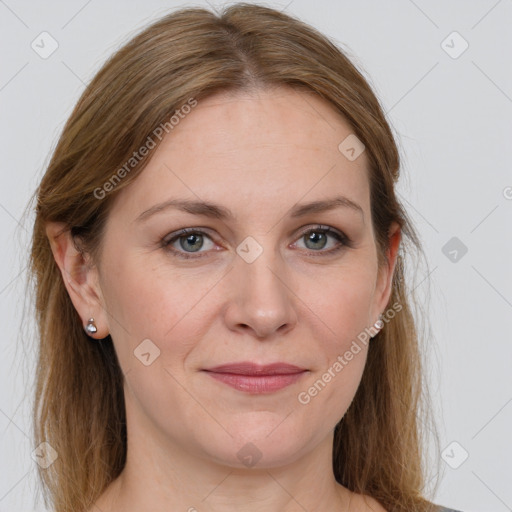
265,117
270,147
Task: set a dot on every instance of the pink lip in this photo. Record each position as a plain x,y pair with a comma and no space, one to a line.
253,378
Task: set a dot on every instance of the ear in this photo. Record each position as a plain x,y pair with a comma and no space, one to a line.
79,276
385,274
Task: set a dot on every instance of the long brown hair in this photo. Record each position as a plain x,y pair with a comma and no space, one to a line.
187,55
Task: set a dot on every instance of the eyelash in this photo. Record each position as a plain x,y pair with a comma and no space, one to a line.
341,237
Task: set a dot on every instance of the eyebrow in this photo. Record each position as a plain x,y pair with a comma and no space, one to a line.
212,210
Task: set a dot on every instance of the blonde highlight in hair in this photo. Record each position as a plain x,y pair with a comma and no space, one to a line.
194,53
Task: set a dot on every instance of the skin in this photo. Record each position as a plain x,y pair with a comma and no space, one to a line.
257,154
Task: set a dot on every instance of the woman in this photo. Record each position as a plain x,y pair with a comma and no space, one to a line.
218,259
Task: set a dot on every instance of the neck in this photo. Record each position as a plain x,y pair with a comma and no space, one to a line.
162,479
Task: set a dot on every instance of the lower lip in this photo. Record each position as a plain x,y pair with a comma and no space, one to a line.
257,384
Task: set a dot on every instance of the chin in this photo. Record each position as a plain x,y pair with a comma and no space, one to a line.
260,444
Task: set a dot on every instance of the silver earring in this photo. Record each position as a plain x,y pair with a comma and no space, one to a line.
91,328
379,324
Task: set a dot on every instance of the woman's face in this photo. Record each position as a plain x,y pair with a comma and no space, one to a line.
255,281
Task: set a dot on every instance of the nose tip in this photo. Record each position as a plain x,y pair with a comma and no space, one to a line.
262,302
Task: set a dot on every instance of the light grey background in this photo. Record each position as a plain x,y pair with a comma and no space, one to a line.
453,117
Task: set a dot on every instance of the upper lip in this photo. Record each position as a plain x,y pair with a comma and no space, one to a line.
248,368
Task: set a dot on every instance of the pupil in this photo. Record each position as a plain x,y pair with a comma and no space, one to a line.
316,235
190,239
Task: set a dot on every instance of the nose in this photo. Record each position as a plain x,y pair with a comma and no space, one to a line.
261,301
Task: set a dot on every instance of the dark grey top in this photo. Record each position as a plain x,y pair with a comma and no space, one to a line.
443,509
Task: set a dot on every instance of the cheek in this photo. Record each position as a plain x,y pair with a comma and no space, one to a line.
342,314
158,304
132,304
330,389
342,302
148,306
